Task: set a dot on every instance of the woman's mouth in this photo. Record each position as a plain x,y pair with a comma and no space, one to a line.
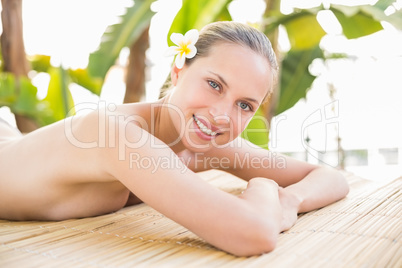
204,128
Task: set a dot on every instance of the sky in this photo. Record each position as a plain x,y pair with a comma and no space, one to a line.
365,111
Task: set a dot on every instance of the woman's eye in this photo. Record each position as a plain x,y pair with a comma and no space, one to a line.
214,85
244,106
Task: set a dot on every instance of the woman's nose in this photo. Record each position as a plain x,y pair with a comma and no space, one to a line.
219,114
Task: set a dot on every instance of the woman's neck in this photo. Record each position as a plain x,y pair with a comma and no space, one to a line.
164,127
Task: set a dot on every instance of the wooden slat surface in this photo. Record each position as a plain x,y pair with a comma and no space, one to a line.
362,230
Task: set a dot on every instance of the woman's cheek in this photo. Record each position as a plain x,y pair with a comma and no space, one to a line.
244,124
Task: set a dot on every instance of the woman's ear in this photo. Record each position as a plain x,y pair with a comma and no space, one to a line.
174,74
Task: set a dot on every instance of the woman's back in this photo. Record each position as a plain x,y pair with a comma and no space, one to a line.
49,174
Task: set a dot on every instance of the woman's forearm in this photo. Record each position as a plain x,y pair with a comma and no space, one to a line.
321,187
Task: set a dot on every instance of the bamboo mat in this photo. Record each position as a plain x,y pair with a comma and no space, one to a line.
362,230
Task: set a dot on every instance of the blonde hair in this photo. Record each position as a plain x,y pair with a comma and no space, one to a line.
236,33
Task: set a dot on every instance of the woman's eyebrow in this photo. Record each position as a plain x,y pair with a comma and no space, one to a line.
252,100
219,77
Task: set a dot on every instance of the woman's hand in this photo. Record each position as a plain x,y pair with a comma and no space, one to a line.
263,195
290,207
266,195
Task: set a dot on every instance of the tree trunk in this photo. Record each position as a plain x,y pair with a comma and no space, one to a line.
13,50
270,107
135,73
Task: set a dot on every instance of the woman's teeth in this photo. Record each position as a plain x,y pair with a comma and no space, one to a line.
203,128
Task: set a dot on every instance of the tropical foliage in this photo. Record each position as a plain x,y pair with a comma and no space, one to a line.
303,30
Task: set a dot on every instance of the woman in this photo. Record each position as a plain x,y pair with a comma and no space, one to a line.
115,156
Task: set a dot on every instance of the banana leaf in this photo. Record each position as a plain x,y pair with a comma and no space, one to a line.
40,63
82,78
304,31
257,131
20,96
7,89
378,12
59,98
295,76
118,36
355,21
195,14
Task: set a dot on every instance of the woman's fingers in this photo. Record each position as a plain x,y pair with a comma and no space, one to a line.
262,182
290,206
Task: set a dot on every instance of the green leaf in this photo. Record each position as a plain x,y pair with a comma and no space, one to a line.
20,96
378,12
18,93
27,101
272,21
118,36
225,15
7,89
304,31
40,63
82,78
28,105
355,22
1,60
257,131
295,77
58,95
195,14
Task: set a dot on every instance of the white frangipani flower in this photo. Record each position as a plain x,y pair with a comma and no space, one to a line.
185,47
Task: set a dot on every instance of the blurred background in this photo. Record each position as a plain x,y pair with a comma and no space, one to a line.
338,100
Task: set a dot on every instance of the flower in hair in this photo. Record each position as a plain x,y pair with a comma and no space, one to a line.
185,47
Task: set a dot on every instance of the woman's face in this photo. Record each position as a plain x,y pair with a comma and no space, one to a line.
215,97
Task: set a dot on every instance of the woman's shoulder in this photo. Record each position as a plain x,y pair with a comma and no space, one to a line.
127,110
104,113
139,114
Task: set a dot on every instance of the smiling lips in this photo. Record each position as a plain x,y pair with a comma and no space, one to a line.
204,128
